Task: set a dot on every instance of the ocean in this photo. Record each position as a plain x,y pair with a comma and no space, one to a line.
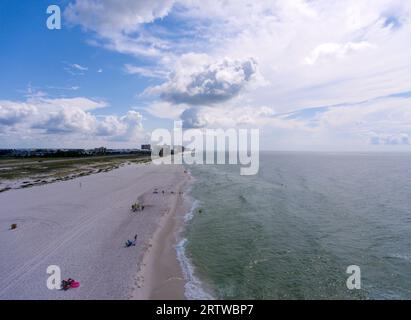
291,231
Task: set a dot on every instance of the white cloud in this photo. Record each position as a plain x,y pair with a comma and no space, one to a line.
166,110
229,116
75,69
382,121
335,50
309,53
43,119
393,140
106,16
72,88
65,120
117,22
12,112
78,67
77,102
120,128
148,72
208,83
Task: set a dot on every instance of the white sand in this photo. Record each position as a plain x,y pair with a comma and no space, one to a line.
81,225
160,275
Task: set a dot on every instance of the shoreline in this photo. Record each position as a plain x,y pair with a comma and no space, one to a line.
160,275
81,226
165,272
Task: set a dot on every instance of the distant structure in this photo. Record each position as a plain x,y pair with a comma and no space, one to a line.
100,150
166,150
177,149
64,153
161,151
146,147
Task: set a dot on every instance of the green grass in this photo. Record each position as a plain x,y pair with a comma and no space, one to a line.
11,169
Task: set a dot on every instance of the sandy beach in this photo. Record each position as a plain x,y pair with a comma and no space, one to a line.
81,226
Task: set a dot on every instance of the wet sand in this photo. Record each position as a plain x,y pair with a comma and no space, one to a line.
160,276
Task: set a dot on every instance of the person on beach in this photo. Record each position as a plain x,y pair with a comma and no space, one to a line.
136,207
69,284
130,243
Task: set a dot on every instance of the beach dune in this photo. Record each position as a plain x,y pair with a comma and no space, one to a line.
81,226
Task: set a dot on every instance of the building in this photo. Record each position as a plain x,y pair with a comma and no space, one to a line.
161,151
177,149
100,150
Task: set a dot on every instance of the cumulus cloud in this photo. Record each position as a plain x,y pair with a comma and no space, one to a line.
65,120
209,84
107,16
390,139
311,54
119,23
120,128
12,112
199,82
289,39
192,118
66,117
379,122
166,110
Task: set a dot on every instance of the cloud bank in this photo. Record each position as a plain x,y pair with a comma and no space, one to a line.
333,72
45,119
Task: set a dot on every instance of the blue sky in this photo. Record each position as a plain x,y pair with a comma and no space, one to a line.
35,57
311,75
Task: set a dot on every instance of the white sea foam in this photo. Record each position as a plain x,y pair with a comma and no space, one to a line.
193,286
194,203
401,256
190,214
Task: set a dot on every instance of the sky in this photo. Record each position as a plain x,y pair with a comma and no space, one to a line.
310,74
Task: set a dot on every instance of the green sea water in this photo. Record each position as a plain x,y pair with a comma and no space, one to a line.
291,231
